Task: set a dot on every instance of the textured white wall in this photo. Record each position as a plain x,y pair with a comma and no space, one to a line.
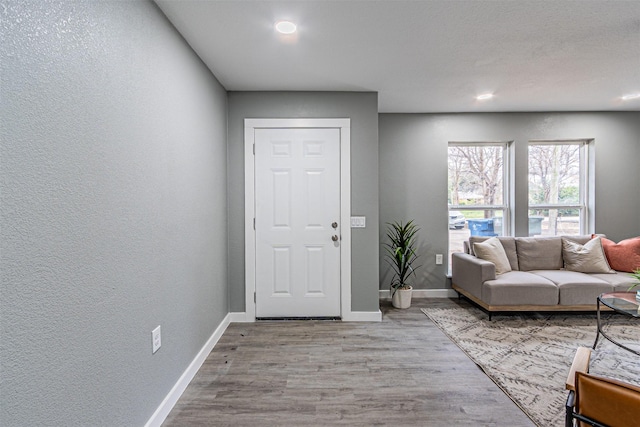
113,211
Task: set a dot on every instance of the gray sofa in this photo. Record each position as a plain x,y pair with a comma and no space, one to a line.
538,280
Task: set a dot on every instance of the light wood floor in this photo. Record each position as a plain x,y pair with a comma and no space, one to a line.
402,371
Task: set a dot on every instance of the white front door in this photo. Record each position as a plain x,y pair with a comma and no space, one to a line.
297,222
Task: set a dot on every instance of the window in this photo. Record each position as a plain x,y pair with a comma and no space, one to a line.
478,191
558,187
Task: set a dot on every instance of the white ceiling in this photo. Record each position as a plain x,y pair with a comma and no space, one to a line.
426,56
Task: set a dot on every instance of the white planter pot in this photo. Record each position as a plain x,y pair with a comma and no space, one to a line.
402,298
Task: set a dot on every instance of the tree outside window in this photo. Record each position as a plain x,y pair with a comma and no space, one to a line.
557,187
477,191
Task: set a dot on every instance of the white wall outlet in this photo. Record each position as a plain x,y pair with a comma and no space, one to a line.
156,339
358,221
438,259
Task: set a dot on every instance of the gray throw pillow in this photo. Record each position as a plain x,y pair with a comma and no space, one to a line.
539,253
492,250
587,258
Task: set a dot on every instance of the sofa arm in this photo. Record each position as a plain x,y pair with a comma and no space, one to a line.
469,272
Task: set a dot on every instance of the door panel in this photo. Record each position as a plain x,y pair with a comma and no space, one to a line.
297,196
315,271
282,198
282,271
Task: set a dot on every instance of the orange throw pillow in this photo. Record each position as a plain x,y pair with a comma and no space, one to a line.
623,256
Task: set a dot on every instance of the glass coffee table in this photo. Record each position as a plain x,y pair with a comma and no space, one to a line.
621,302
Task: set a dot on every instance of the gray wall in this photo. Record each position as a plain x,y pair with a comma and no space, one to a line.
362,109
113,172
413,170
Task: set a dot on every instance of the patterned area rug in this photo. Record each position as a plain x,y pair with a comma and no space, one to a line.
528,355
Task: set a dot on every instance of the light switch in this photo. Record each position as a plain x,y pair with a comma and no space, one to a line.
358,222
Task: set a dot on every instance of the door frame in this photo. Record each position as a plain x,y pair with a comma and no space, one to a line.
250,125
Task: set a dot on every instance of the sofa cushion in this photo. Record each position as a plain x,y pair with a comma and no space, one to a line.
587,258
539,253
624,255
491,250
519,288
620,281
508,243
576,288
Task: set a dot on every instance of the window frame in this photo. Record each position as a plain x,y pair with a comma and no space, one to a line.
506,206
585,191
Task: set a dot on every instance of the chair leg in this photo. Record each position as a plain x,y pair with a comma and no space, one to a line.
568,420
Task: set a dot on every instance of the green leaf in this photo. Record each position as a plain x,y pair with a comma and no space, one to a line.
400,251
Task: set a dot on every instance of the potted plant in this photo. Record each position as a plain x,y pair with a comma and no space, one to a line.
401,256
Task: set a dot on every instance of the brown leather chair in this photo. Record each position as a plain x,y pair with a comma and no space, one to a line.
599,401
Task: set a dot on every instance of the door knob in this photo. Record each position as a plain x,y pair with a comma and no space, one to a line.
334,238
334,224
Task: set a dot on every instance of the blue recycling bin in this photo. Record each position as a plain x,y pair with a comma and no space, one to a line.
481,227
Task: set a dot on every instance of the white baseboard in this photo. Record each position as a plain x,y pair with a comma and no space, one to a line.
169,402
363,316
424,293
240,317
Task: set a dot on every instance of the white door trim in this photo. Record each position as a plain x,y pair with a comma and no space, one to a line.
345,205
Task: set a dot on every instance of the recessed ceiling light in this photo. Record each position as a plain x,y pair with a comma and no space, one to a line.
285,27
631,96
484,96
